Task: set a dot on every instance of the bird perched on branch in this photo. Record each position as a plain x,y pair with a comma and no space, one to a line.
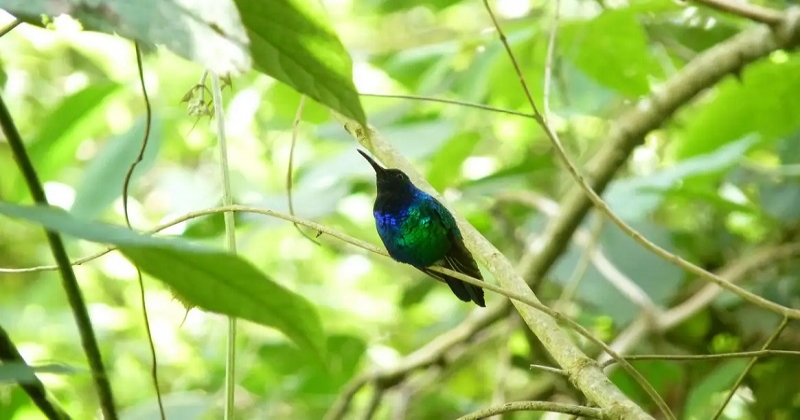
418,230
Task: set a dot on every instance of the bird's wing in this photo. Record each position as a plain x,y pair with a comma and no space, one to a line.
459,259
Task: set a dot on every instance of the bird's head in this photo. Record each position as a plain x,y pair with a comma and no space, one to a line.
393,180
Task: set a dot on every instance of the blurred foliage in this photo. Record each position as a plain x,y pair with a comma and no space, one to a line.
716,183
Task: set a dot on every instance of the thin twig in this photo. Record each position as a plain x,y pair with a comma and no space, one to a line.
451,102
735,271
750,364
68,279
706,357
746,10
504,363
125,185
290,169
548,66
603,207
550,369
553,407
574,172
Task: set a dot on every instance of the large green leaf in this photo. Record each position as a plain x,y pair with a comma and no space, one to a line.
75,119
208,32
764,101
212,280
612,49
704,398
292,41
104,176
635,198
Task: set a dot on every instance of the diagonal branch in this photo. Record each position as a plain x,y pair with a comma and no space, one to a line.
583,371
629,130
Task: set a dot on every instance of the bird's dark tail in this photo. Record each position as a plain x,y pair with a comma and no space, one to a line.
459,259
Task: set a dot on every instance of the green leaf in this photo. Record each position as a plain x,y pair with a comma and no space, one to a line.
758,103
616,39
446,163
227,284
23,373
103,178
76,118
215,281
345,353
207,32
635,198
701,402
292,41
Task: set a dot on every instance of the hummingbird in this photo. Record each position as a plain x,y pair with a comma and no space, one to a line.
418,230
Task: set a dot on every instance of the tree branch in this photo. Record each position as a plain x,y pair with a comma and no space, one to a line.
583,372
629,130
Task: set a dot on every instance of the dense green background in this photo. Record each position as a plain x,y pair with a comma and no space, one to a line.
718,183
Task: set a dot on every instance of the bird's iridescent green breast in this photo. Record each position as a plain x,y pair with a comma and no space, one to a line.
415,235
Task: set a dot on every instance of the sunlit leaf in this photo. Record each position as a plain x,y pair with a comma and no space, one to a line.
216,281
616,39
292,41
762,102
62,130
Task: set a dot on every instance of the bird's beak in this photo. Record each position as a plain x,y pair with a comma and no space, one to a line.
378,168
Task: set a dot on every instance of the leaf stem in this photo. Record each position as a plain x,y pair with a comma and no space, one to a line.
230,239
